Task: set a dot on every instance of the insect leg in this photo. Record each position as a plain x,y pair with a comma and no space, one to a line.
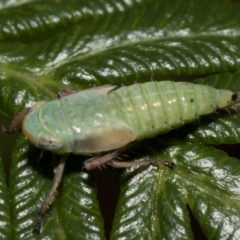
65,92
95,162
117,164
16,122
56,181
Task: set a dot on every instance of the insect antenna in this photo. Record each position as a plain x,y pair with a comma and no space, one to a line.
5,114
3,128
15,122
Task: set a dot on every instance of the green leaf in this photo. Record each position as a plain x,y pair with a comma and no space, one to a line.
49,45
5,226
154,201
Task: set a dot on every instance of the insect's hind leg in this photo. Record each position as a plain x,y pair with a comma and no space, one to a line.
98,161
118,164
56,181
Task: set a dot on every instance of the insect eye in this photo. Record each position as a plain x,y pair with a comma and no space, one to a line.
49,143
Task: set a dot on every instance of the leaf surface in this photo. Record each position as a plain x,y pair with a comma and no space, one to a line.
5,223
156,201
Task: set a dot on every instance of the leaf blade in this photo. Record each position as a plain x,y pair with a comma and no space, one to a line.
193,182
5,226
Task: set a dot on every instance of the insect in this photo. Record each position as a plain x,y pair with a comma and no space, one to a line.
104,120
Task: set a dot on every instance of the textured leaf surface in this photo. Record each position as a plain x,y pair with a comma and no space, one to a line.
5,224
154,201
49,45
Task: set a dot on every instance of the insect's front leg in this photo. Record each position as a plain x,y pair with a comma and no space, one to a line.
56,181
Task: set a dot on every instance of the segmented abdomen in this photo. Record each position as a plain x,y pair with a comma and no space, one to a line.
153,108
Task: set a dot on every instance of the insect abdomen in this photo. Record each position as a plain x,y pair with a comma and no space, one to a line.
153,108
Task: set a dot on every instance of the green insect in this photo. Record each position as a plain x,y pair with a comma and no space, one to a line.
104,120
